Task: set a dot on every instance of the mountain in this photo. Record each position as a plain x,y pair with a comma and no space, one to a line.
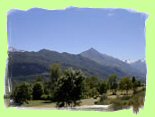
24,65
140,65
110,61
128,61
101,58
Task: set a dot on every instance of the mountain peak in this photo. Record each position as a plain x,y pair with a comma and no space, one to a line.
91,50
42,50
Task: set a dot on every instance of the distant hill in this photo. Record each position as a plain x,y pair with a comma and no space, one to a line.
29,64
140,65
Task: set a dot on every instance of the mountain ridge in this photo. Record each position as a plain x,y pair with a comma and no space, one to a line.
13,49
30,63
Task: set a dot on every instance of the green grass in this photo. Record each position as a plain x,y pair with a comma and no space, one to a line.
49,104
39,103
118,101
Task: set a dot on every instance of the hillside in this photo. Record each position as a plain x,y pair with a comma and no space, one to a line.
110,61
140,65
29,64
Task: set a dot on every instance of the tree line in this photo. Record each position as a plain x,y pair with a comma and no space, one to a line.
67,87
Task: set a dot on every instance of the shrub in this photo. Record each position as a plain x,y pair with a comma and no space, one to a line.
22,93
37,90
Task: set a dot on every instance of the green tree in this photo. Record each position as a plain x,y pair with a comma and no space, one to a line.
38,91
102,87
133,79
55,73
91,86
125,84
139,83
134,84
22,93
47,88
93,82
112,83
69,88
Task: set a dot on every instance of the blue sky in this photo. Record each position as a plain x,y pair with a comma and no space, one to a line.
116,32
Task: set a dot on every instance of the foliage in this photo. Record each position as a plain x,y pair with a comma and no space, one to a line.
55,73
47,86
103,100
38,91
91,87
39,79
137,102
134,84
102,87
112,83
22,93
69,88
125,84
45,97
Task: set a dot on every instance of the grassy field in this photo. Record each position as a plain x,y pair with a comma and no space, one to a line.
119,101
49,104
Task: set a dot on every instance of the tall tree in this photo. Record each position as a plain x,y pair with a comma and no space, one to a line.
112,83
134,84
133,79
38,91
102,87
69,88
91,87
125,84
55,73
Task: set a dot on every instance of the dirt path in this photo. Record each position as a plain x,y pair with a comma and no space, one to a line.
77,108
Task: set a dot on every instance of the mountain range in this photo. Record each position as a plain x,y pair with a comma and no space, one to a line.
28,64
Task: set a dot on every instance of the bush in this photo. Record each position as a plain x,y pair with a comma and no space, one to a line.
103,100
117,104
103,97
22,93
37,90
